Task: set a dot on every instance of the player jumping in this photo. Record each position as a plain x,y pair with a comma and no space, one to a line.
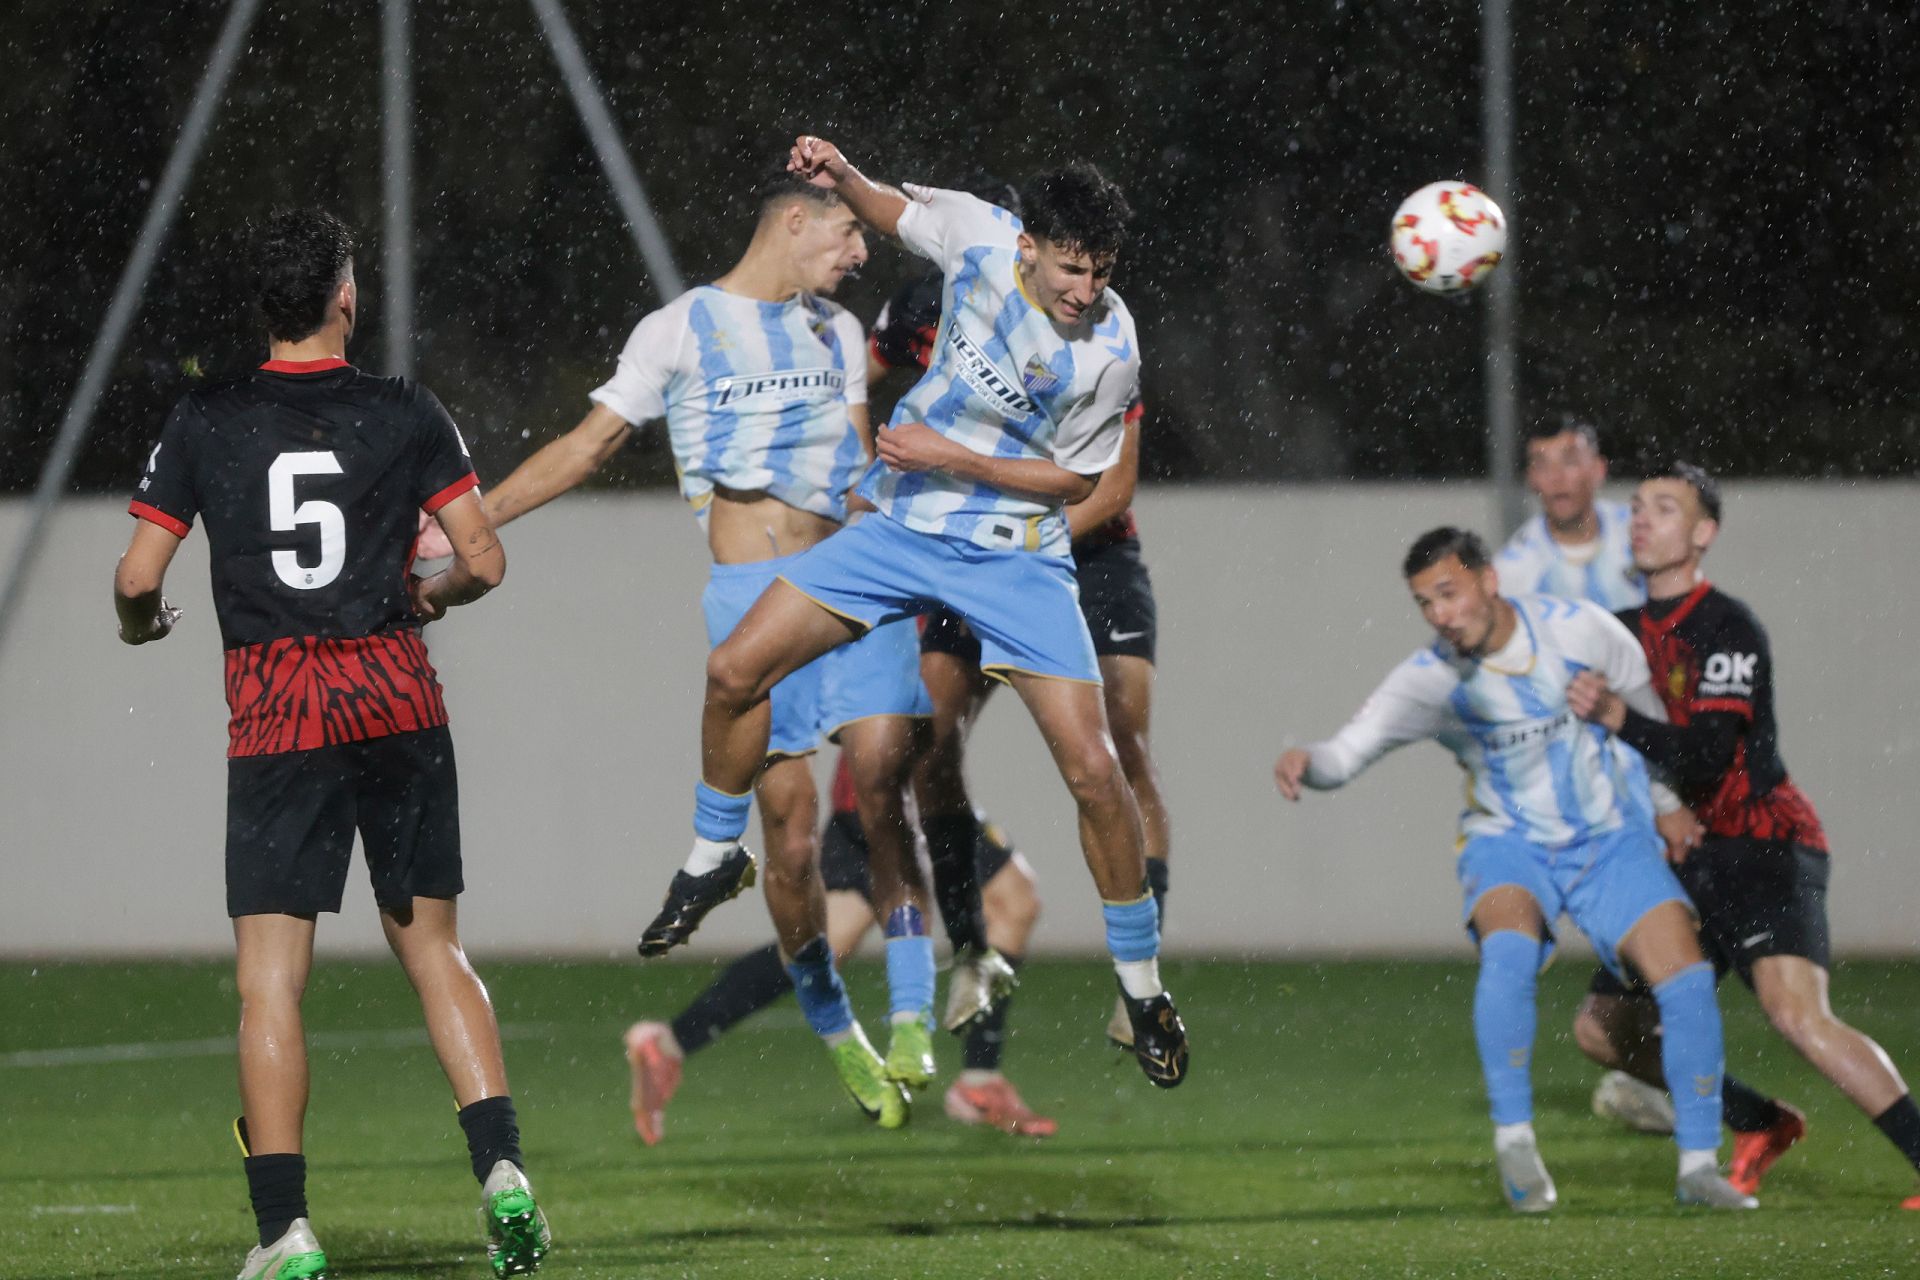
1019,412
310,476
762,382
1547,830
1116,597
1759,872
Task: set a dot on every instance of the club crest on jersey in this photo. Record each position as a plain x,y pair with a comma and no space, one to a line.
787,384
1676,683
1037,378
983,376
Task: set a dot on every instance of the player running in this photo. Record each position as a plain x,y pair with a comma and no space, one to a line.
1547,830
981,1094
1759,872
1019,412
310,476
762,382
1576,547
1116,598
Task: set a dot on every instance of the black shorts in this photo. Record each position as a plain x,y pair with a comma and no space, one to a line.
1116,599
291,819
843,856
1755,898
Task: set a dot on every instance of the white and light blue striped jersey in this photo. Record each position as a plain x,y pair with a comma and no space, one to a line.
1602,571
1004,380
755,395
1534,767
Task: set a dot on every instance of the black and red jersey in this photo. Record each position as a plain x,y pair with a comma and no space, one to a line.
1709,657
903,338
310,477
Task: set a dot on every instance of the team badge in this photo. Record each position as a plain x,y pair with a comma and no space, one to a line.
1037,378
1676,683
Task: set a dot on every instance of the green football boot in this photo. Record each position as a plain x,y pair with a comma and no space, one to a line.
864,1076
517,1234
296,1255
910,1054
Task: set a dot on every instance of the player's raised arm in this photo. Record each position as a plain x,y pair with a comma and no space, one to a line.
819,162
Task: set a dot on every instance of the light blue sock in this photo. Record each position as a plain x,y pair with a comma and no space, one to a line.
1692,1055
909,962
717,815
1133,929
1504,1018
817,985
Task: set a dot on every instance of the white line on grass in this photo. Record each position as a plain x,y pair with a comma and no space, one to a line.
77,1209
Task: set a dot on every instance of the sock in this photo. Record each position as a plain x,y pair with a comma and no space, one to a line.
909,963
1504,1019
1692,1055
745,987
816,983
1157,884
1901,1123
987,1037
1133,940
493,1135
277,1185
707,855
953,847
1507,1135
1693,1161
1744,1109
718,816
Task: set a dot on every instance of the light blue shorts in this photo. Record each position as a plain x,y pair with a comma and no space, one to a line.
1024,606
876,675
1606,884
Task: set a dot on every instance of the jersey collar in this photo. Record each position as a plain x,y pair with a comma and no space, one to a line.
304,366
1659,626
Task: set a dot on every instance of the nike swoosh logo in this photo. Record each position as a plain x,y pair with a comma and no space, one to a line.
1757,938
1119,636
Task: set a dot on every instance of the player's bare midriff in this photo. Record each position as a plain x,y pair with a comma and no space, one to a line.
748,525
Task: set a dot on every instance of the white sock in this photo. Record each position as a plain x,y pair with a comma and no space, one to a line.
1692,1162
974,1077
1141,978
1507,1135
707,854
839,1038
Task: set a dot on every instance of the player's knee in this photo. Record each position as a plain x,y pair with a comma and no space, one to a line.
792,859
1799,1025
1093,775
266,987
1011,899
1590,1032
729,681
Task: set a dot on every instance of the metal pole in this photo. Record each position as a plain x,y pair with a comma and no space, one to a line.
1500,364
126,303
396,52
592,107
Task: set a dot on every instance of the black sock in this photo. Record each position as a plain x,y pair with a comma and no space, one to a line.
988,1036
743,988
1157,883
1744,1109
277,1186
1901,1123
953,847
493,1135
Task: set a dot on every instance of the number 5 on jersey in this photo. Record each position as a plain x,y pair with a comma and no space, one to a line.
285,515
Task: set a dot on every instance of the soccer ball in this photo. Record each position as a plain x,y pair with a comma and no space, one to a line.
1448,237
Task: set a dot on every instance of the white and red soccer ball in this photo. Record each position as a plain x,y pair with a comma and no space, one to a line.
1448,237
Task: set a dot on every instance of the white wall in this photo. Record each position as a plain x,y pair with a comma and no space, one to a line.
575,690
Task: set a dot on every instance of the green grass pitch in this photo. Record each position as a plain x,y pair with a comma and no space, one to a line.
1333,1127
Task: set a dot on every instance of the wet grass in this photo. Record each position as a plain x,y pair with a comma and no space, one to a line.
1332,1128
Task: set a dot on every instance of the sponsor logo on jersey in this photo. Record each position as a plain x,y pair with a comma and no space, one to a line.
787,384
1523,735
983,376
1729,673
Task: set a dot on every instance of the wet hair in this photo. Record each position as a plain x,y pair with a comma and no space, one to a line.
1435,545
1704,486
298,258
1550,425
780,189
1076,209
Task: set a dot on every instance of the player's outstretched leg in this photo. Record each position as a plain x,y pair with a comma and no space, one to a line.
1073,722
823,999
781,633
1504,1022
1128,692
982,1094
